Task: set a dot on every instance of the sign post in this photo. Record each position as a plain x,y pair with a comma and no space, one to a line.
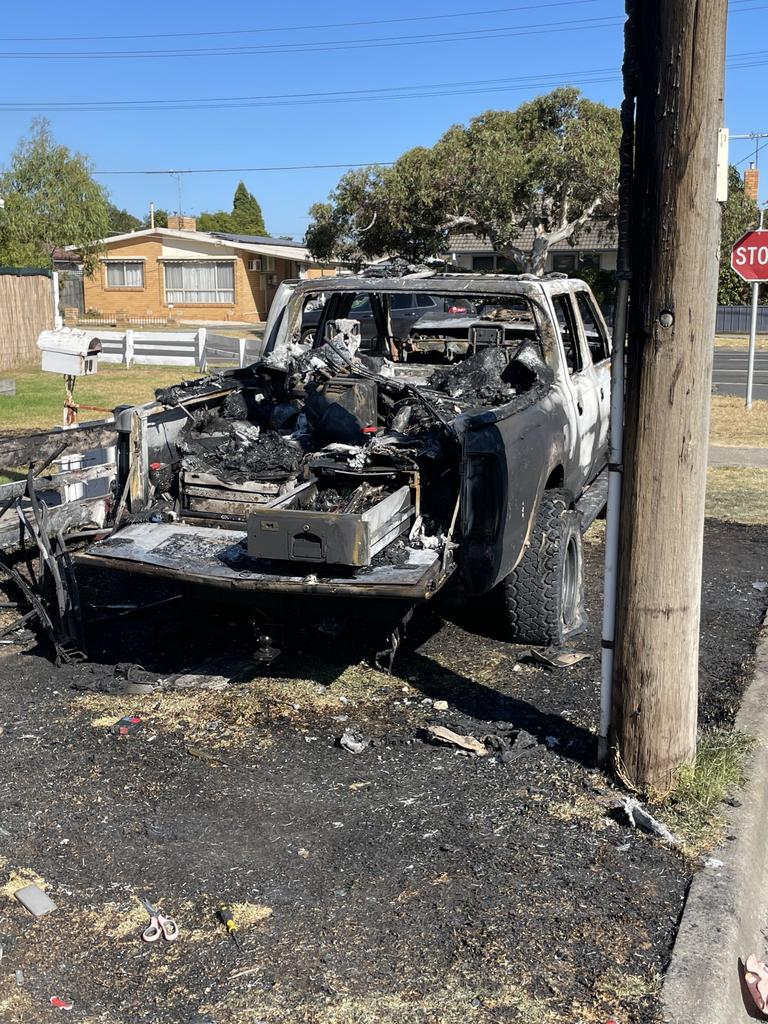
749,258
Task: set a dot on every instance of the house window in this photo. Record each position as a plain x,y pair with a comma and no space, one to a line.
574,262
483,263
589,259
199,283
564,262
125,274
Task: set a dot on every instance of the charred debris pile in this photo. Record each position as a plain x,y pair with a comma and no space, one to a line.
338,434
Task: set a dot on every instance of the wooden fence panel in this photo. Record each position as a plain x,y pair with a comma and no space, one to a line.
26,309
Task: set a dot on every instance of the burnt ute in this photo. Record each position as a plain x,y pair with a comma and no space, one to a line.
464,452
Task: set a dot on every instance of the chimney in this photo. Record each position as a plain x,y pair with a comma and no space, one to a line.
181,223
751,182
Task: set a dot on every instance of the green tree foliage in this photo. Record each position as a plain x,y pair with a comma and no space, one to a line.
739,213
121,222
161,219
246,217
602,283
552,163
50,200
221,221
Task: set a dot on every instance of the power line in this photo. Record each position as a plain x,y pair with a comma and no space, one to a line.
749,156
281,99
242,170
737,61
301,28
329,25
376,42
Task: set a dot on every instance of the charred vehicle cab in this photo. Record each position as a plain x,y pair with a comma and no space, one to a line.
460,450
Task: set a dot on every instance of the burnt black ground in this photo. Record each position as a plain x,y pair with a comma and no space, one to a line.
406,884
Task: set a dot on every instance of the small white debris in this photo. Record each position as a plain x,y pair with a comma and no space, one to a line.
645,821
354,742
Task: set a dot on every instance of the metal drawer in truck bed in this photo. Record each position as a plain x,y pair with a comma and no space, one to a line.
295,533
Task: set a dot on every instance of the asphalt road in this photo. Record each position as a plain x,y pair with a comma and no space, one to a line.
730,373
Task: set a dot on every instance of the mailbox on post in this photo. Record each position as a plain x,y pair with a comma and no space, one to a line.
74,354
69,351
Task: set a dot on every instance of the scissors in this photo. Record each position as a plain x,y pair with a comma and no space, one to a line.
158,925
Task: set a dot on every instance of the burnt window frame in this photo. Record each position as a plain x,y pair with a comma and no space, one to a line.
598,321
575,322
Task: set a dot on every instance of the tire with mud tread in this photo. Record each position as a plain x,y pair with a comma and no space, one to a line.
543,599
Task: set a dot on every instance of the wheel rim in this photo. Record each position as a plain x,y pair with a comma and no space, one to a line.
571,582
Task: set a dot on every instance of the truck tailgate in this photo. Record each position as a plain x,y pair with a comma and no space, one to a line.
217,558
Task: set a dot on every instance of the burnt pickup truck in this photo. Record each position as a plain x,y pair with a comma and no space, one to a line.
462,456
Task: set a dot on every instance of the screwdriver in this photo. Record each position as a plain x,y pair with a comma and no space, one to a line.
226,918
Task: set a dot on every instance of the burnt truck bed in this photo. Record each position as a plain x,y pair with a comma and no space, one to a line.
218,558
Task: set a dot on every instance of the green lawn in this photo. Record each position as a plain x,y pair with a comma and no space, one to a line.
39,398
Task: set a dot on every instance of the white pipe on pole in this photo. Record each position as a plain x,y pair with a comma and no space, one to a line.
615,470
616,440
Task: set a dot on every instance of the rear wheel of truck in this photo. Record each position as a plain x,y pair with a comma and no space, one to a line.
543,597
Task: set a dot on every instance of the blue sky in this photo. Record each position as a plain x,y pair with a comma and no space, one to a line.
510,50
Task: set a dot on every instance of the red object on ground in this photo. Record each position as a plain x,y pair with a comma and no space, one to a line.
127,725
749,256
61,1004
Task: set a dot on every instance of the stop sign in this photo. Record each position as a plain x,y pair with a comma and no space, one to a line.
749,256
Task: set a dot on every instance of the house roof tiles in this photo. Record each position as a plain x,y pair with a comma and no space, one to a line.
596,235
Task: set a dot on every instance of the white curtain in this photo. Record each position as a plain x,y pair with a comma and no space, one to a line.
199,283
125,275
134,275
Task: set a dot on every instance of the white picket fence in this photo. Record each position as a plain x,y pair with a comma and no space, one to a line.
200,348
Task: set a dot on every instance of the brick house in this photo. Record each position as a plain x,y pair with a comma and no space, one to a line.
179,273
596,246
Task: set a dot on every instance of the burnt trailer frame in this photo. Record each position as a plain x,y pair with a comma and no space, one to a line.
551,439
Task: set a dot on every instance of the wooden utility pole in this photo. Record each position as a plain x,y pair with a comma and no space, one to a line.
679,48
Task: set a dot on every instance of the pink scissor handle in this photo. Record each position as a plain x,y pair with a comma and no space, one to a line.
170,928
153,931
